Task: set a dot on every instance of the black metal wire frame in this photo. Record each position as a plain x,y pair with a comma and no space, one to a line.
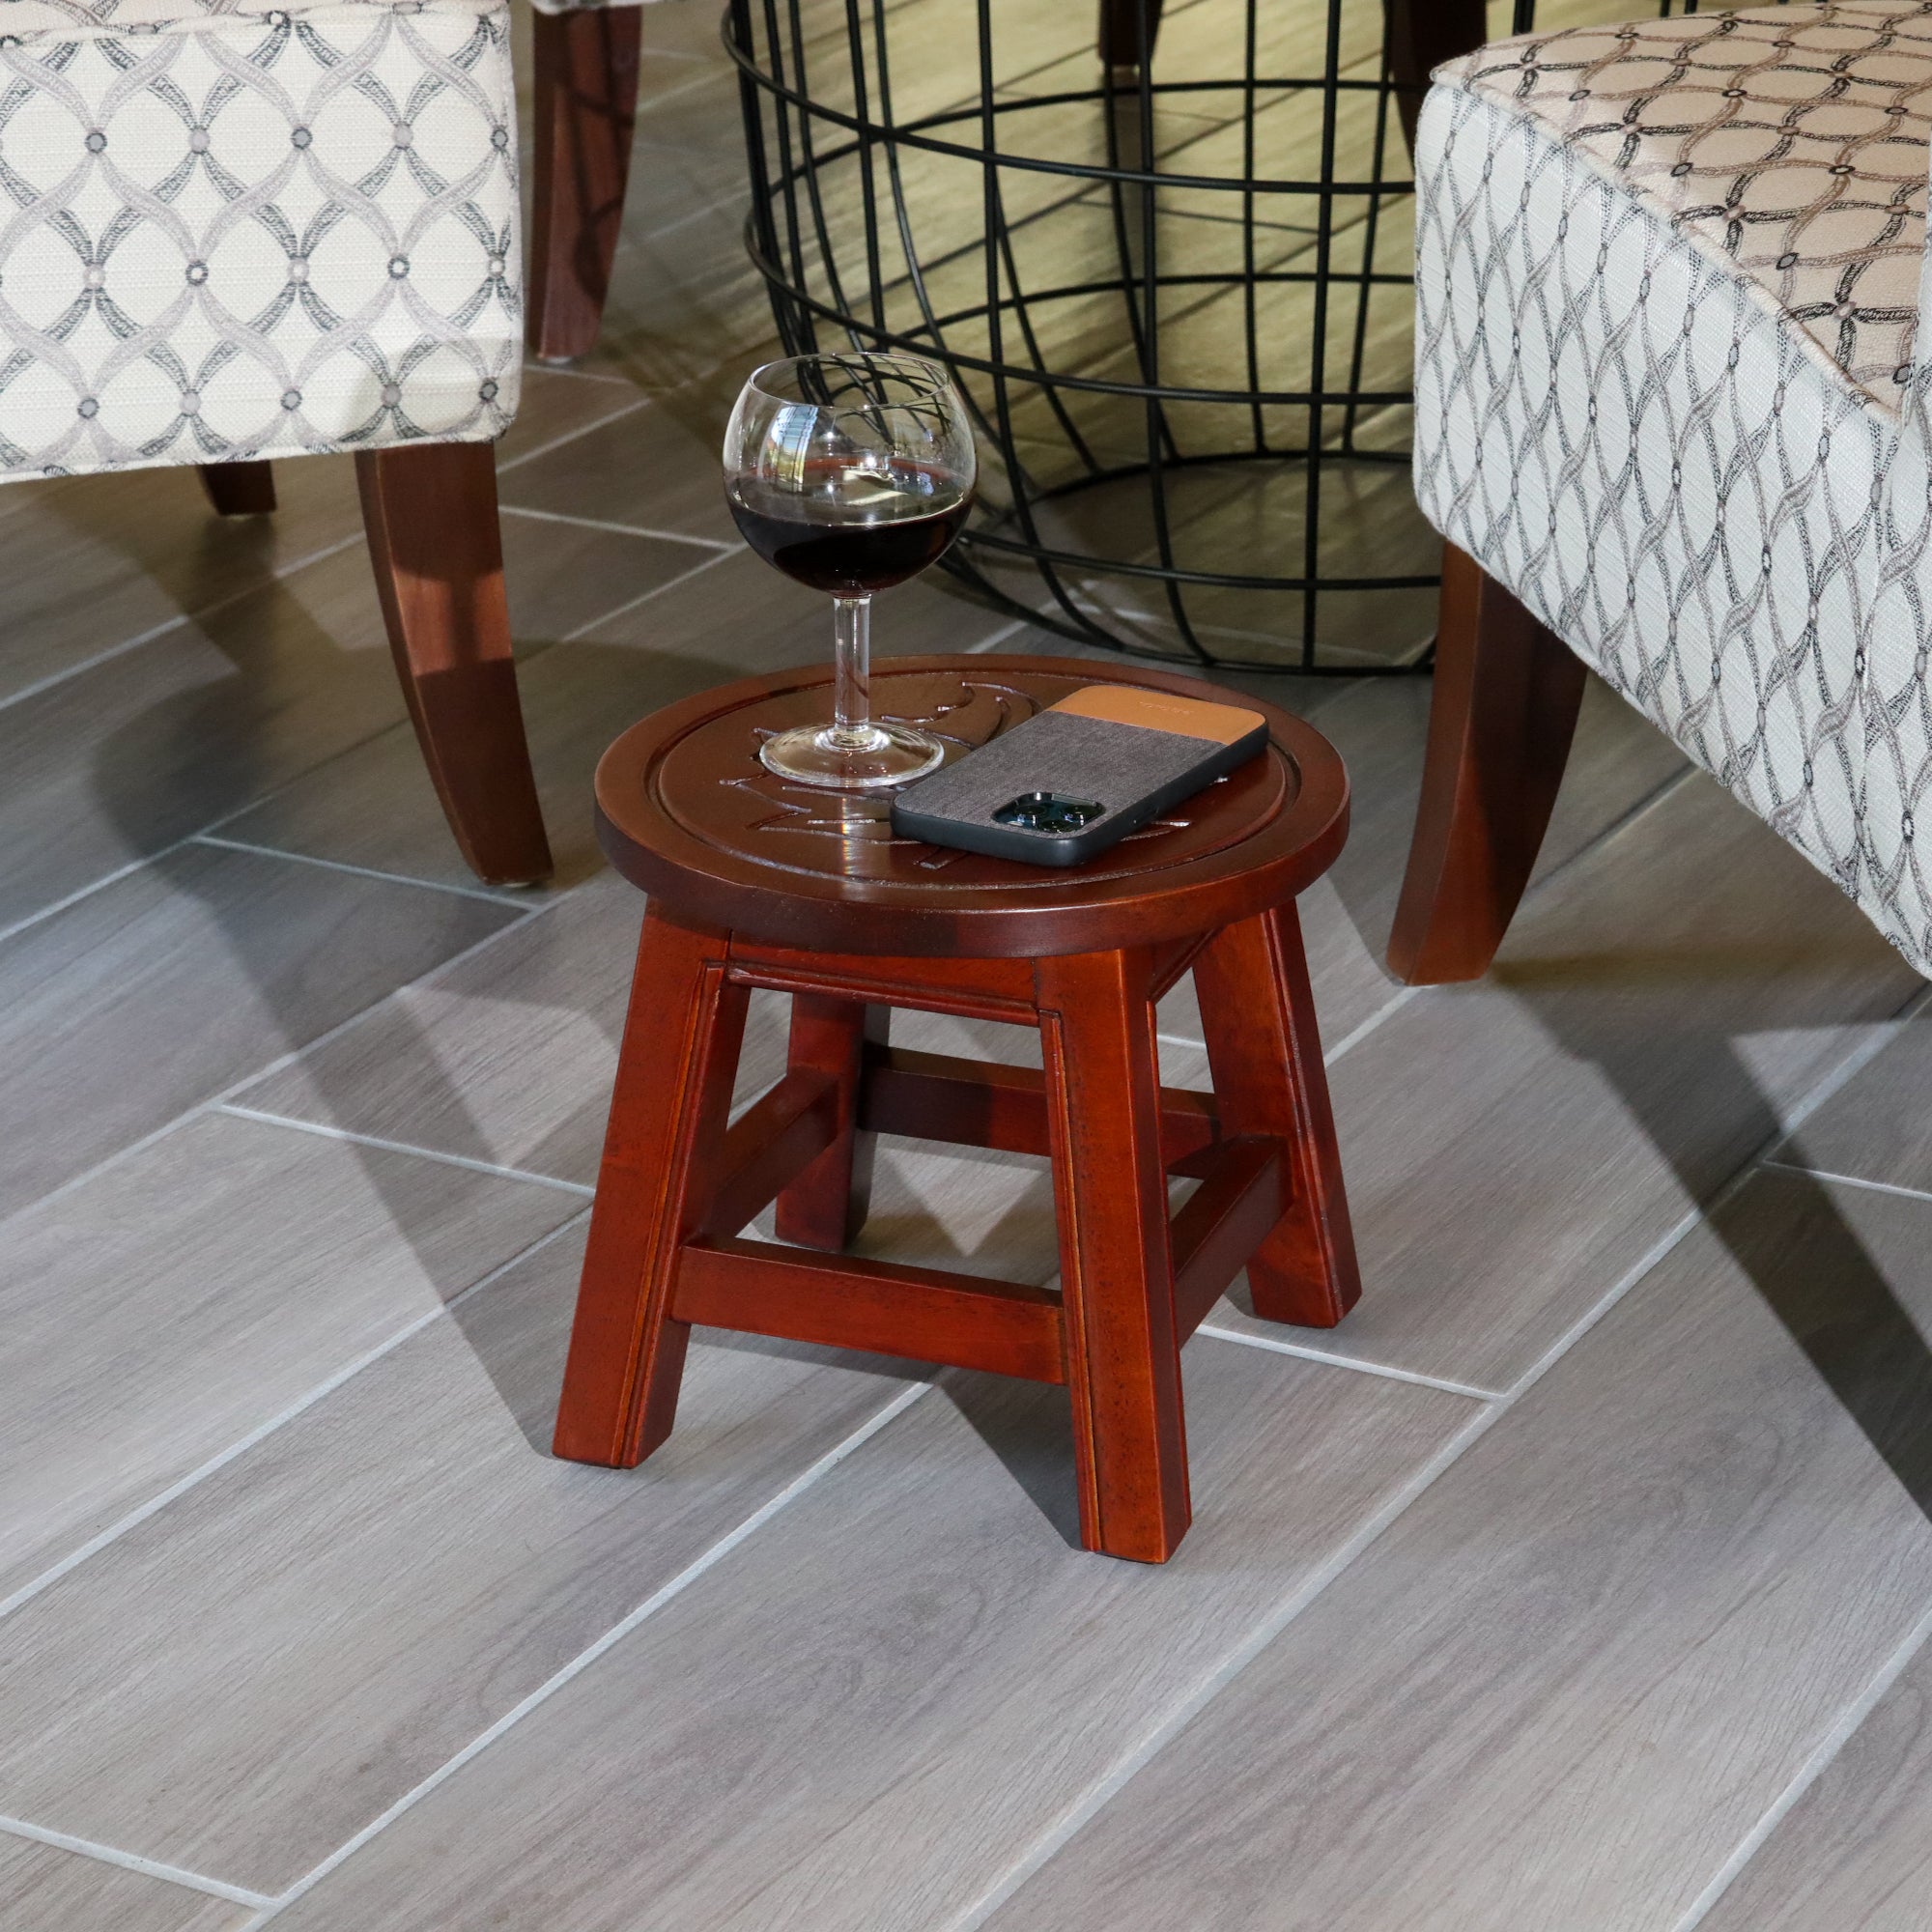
795,141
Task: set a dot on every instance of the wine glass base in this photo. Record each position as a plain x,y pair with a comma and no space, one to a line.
895,755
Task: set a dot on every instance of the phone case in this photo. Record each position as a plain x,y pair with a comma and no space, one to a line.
1080,776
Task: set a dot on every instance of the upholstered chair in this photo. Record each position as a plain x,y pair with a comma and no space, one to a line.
236,231
1671,421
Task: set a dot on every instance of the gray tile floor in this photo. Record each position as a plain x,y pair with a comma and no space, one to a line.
1583,1579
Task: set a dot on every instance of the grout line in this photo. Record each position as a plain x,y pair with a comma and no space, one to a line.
1846,1180
1393,1005
570,435
291,1055
708,71
218,1100
1189,1706
586,1658
334,1133
999,637
1399,999
1085,1807
101,657
74,898
1618,826
630,604
1652,1257
535,365
1360,1367
490,897
278,574
131,1862
619,530
160,1501
1807,1775
1883,1033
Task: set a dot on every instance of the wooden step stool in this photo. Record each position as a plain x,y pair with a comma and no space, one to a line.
755,882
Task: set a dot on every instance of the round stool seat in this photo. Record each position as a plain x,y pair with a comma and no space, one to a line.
686,811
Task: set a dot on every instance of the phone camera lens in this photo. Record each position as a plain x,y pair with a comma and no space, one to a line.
1048,811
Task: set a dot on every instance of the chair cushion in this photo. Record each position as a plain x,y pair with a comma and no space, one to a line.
280,232
1666,392
1789,143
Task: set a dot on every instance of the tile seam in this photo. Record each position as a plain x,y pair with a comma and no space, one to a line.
325,1130
714,1554
212,1465
113,1855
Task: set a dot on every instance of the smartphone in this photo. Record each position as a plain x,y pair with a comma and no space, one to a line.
1078,777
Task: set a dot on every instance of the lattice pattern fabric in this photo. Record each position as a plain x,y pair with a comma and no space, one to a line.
1669,283
238,230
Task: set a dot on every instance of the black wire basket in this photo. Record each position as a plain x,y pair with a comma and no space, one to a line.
1168,263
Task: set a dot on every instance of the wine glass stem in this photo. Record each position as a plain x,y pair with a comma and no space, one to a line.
852,661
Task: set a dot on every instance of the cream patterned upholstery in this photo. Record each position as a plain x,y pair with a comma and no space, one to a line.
1669,277
235,231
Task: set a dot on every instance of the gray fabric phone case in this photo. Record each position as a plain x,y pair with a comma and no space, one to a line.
1131,771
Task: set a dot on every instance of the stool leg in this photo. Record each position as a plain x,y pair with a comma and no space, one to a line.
827,1205
1257,1015
668,1118
1116,1273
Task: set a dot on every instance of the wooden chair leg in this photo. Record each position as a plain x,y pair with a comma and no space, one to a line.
586,105
240,489
1500,722
1115,1272
1264,1052
668,1117
827,1205
1119,35
430,511
1420,36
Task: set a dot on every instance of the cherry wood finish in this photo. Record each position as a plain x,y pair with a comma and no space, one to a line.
732,858
1420,36
586,109
664,1159
1257,1015
430,511
1116,1268
685,808
826,1206
934,1097
240,489
1504,711
1119,38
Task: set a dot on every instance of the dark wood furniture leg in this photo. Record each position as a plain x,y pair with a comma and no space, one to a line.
586,106
1421,35
1119,35
1257,1015
430,511
659,1171
240,489
1500,722
1115,1272
827,1205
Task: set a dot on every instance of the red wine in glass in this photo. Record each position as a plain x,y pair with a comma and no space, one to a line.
851,530
850,473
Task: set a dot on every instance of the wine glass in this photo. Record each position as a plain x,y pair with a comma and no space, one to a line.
851,473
